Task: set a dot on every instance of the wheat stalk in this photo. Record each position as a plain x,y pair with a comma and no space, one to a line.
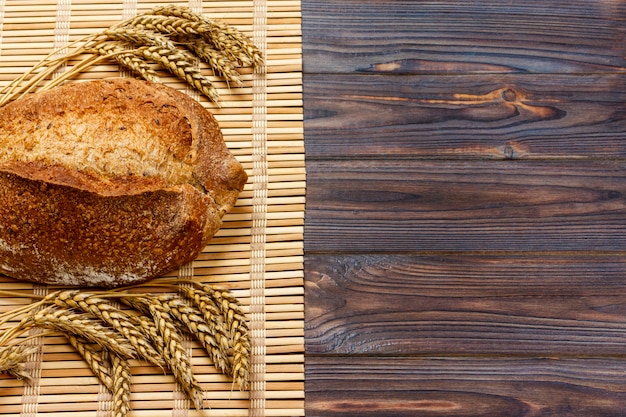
219,34
129,43
106,336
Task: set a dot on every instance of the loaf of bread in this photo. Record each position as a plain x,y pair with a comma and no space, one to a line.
109,183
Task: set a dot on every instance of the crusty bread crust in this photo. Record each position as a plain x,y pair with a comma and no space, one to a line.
109,183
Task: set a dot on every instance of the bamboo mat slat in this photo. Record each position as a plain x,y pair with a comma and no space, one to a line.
258,253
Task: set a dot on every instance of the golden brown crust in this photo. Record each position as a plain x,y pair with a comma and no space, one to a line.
74,215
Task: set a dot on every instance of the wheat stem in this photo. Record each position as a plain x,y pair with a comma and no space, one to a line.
46,61
76,69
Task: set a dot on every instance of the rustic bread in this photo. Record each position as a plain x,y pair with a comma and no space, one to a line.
109,183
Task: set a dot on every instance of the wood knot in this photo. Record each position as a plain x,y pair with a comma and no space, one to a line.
509,152
509,95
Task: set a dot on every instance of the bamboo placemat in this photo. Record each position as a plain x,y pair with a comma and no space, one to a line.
258,253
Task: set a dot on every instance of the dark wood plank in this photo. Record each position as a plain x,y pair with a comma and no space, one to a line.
443,37
423,206
499,305
480,116
464,387
465,222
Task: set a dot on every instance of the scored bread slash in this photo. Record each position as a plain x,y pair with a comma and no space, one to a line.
110,183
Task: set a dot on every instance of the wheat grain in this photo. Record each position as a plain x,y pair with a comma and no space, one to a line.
13,358
146,325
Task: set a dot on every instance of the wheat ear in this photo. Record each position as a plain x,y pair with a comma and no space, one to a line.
121,385
216,59
94,356
125,57
12,359
168,342
169,25
181,65
66,321
213,302
117,319
135,36
224,37
212,335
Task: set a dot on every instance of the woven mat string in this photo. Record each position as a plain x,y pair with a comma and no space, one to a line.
259,218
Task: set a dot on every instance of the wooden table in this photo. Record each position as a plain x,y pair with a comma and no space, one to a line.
465,226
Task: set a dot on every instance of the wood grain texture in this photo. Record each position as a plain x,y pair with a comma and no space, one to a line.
456,305
465,387
464,117
465,215
404,205
456,36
